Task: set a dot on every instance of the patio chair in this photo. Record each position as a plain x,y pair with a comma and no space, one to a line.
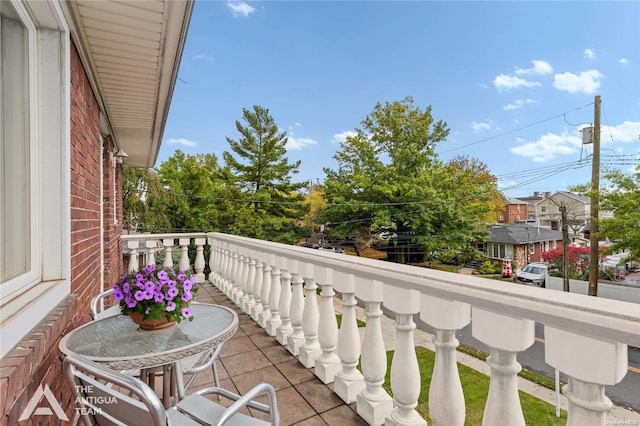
189,366
99,403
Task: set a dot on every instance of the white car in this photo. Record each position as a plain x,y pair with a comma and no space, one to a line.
533,274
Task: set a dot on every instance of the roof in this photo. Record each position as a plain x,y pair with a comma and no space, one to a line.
521,234
131,50
511,200
578,197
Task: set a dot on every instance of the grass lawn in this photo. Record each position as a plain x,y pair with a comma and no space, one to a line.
475,387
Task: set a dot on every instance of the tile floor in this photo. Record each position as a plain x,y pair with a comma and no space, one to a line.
251,356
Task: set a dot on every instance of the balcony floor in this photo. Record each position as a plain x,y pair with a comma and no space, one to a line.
251,356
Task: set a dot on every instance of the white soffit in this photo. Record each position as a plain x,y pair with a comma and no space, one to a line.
131,51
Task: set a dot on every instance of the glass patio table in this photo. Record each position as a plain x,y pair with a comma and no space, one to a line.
118,343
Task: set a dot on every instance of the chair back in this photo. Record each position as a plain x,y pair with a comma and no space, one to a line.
101,399
95,309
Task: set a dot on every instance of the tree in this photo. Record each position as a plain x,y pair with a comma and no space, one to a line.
623,197
390,180
134,187
264,173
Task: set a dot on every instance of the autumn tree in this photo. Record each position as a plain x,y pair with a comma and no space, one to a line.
261,168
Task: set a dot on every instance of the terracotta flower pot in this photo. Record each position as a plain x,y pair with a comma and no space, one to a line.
151,324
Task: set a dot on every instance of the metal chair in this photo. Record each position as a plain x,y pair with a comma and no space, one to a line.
189,366
98,391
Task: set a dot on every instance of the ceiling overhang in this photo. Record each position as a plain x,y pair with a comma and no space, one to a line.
131,51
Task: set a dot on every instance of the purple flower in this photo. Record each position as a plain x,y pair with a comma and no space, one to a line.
149,286
148,294
131,303
186,312
126,288
187,285
186,296
162,275
171,307
139,295
158,297
172,292
181,276
117,294
139,277
192,278
171,283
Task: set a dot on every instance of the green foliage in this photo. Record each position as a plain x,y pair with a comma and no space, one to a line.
263,173
488,267
389,179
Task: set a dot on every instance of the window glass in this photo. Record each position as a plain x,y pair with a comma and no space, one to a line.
15,185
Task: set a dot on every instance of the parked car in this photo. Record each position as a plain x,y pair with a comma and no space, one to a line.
533,274
332,249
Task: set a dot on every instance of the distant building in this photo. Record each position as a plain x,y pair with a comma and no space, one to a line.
522,243
531,204
515,211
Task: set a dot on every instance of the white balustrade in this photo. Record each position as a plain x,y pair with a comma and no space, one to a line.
184,264
374,403
586,338
310,349
274,299
405,374
296,339
446,400
327,364
265,292
284,306
506,336
133,255
257,291
198,264
349,382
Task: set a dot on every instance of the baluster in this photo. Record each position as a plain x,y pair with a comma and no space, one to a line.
310,350
327,364
257,291
284,305
168,260
228,268
446,400
198,264
213,262
349,382
224,268
151,251
506,336
274,299
184,255
133,255
244,281
234,276
265,294
251,279
405,373
590,364
296,339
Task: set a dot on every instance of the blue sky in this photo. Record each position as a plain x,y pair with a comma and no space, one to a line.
491,70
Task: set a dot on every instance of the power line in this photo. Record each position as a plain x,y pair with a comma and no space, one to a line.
515,130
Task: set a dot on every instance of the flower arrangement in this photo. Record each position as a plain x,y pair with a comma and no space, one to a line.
155,293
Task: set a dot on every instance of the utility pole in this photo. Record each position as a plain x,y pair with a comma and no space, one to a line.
565,246
594,258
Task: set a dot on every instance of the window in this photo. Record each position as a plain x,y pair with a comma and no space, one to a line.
497,251
35,233
532,248
541,246
543,209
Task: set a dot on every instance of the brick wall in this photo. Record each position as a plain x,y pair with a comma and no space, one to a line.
34,361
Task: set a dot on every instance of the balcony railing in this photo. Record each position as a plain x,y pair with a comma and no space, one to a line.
585,337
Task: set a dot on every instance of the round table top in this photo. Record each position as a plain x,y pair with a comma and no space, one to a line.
117,341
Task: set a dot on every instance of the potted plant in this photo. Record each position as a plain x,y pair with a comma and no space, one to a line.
156,298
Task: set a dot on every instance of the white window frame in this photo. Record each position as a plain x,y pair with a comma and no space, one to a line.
26,299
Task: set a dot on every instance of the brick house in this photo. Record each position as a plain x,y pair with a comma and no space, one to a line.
83,83
522,243
514,211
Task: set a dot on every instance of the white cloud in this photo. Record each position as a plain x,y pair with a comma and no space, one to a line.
204,56
539,67
586,82
623,60
507,82
296,144
629,131
589,54
240,8
479,126
519,103
297,124
342,136
548,146
182,142
506,184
